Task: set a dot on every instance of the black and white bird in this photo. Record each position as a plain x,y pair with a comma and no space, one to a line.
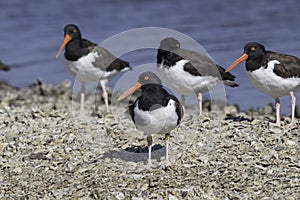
89,62
155,111
275,74
3,66
188,72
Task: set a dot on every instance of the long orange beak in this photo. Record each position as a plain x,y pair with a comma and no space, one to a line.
243,57
130,91
65,42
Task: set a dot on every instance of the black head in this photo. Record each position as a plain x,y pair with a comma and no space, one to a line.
145,79
254,54
254,49
169,44
73,31
148,77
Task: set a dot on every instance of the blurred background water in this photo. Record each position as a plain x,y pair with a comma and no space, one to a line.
32,31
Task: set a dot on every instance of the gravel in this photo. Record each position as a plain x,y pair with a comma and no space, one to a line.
48,150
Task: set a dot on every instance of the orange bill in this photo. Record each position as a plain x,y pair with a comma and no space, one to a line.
130,91
243,57
65,42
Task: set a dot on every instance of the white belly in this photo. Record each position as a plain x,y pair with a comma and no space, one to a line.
266,81
161,120
184,83
84,70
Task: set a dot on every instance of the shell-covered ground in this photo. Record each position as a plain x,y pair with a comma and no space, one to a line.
49,151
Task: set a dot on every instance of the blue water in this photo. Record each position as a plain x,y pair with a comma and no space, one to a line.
32,31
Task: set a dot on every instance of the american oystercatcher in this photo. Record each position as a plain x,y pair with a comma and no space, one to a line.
3,66
89,62
155,111
188,72
275,74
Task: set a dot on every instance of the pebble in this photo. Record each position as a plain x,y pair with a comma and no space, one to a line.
120,196
47,151
172,197
17,170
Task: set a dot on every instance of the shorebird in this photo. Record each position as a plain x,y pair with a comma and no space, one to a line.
188,72
3,66
275,74
155,111
89,62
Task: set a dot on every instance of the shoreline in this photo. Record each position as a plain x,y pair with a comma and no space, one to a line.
67,84
49,152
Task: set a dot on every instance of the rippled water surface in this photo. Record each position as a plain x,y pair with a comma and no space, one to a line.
32,31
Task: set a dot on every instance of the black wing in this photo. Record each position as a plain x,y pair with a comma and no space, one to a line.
130,112
288,67
201,65
179,108
105,60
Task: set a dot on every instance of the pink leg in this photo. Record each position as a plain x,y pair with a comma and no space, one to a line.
293,102
149,141
104,94
277,104
200,103
167,139
82,96
182,100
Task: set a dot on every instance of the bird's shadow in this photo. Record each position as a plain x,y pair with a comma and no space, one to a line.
136,153
238,118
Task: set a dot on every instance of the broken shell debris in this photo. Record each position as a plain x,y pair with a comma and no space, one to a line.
48,151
